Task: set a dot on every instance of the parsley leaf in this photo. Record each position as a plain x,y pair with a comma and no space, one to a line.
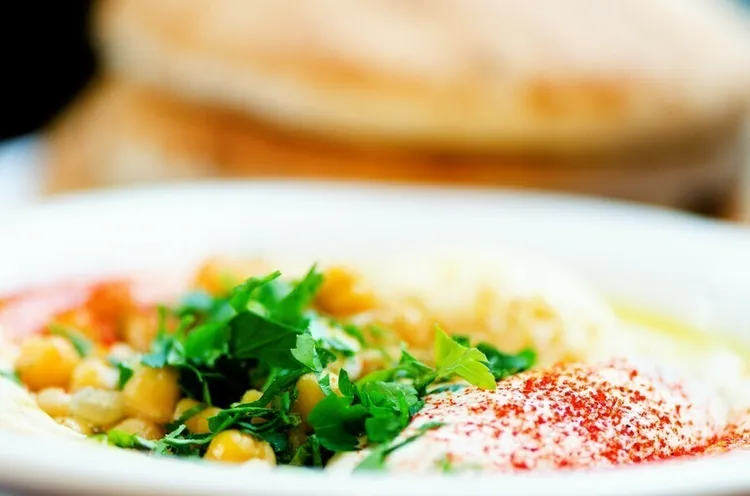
161,349
338,422
290,309
80,342
345,384
207,343
503,365
241,295
263,334
355,332
254,336
390,406
196,302
122,439
308,454
125,373
306,354
376,459
453,358
11,375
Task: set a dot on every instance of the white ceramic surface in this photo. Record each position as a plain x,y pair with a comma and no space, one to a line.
20,164
692,268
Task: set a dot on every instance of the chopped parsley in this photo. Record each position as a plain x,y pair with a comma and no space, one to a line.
376,459
501,364
10,375
122,439
265,334
125,373
80,342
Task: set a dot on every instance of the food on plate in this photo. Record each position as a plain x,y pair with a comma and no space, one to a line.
501,365
644,102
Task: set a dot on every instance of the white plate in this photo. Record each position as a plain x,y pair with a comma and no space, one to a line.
20,171
692,268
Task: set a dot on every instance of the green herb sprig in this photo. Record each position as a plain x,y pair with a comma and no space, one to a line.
259,336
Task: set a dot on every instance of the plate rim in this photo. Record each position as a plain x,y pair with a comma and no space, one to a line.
725,473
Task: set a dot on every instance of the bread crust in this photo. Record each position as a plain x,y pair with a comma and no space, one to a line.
445,75
123,133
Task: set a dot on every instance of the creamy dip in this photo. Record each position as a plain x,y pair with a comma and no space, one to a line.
606,390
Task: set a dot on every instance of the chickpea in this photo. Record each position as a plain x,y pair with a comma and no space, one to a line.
370,360
184,405
76,425
152,394
310,395
198,423
55,402
46,361
143,428
251,395
94,372
110,300
83,320
343,294
218,275
97,406
233,446
120,352
140,329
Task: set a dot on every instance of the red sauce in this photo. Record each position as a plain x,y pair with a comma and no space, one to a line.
92,307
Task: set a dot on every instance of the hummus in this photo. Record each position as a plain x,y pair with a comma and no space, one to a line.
604,391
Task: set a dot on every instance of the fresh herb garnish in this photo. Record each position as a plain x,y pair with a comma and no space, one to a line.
122,439
80,342
309,454
264,334
376,459
503,365
382,403
10,375
125,373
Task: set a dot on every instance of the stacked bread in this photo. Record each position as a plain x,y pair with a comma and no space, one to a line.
642,99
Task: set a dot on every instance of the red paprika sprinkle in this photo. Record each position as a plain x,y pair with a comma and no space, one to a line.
566,417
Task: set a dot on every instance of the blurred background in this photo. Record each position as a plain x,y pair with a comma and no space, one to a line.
639,100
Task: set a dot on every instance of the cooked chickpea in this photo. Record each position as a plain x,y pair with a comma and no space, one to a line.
198,423
152,394
251,395
82,320
46,361
310,395
110,300
370,360
218,275
55,402
233,446
97,406
184,405
76,425
140,329
143,428
343,293
120,352
94,372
